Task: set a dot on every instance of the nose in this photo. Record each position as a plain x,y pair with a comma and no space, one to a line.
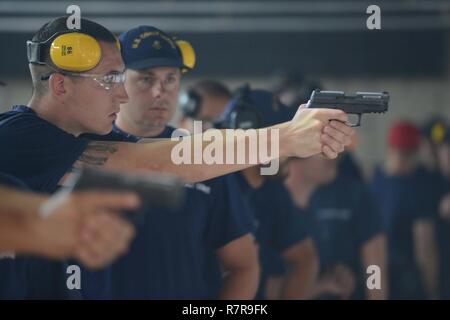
158,89
121,94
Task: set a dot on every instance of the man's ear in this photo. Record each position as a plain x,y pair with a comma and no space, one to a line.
57,84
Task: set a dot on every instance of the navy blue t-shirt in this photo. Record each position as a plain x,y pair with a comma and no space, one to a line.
403,201
13,276
174,253
36,151
279,225
348,167
441,186
40,154
344,218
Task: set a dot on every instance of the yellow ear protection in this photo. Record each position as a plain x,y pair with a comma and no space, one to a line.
68,51
437,133
187,54
243,114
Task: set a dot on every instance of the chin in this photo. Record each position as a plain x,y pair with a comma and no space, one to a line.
158,122
105,130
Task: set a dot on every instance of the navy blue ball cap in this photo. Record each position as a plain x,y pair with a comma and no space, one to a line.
146,47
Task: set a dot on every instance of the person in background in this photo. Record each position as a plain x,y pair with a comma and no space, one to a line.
347,164
177,255
406,203
346,228
443,213
287,255
432,136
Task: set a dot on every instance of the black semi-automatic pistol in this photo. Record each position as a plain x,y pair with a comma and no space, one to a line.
154,190
361,102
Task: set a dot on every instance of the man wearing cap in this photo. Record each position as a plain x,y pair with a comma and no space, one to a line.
442,188
432,135
432,138
174,255
287,255
41,142
408,212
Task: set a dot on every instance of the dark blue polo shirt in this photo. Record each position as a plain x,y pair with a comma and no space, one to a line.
344,217
39,154
13,276
403,201
348,167
174,253
279,225
443,237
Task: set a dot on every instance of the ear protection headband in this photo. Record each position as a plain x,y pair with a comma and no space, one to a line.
243,114
437,133
187,54
69,51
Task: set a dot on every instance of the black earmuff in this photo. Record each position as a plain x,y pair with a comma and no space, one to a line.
191,107
243,114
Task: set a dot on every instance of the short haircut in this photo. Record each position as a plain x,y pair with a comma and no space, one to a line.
58,26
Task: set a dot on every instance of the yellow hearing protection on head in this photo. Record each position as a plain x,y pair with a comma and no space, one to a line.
75,51
438,133
118,43
69,51
187,54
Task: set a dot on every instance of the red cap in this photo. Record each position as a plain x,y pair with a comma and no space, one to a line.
404,135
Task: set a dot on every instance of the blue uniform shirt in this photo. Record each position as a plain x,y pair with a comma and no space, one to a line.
36,151
174,253
403,200
344,217
13,276
279,225
443,238
40,154
348,167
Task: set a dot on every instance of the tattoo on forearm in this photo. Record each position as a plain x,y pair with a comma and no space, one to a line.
98,152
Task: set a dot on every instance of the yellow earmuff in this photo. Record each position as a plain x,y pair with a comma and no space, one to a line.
75,52
438,133
187,54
